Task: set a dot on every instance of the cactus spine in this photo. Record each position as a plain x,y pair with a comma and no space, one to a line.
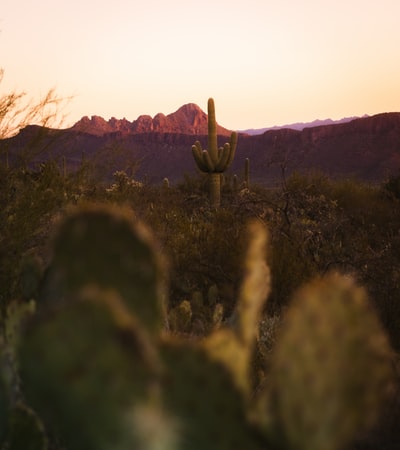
214,161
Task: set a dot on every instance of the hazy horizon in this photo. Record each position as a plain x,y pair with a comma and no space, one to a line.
266,63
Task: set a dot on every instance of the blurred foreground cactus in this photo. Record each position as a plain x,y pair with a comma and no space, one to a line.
330,371
214,161
102,372
107,247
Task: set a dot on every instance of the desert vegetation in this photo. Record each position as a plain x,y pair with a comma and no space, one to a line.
316,227
142,316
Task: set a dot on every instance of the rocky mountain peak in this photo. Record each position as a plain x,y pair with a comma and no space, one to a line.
188,119
94,125
192,118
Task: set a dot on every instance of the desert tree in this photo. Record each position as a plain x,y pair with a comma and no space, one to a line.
17,110
26,198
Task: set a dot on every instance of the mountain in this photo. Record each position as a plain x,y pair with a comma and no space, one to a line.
188,119
366,148
299,125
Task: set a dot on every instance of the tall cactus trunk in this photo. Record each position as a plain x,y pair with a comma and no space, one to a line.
215,189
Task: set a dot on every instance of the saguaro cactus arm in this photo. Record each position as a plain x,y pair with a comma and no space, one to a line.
232,146
223,157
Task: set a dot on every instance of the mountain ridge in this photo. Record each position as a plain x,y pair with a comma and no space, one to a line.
188,119
299,126
366,148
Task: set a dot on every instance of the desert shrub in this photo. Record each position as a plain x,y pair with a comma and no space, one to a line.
318,224
194,185
203,248
28,200
392,187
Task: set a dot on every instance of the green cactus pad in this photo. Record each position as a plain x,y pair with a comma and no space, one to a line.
224,347
234,346
4,402
85,366
256,283
106,247
330,370
25,430
29,278
202,396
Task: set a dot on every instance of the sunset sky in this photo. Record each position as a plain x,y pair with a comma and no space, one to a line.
265,62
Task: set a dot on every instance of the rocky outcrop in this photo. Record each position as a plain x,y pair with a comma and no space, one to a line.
188,119
143,124
95,125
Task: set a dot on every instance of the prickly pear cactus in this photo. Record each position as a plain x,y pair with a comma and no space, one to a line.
234,345
219,365
20,427
100,375
330,370
203,396
106,247
29,278
24,430
86,365
4,401
87,359
103,374
256,284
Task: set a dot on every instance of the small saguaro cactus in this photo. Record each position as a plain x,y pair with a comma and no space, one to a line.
214,161
247,173
165,183
235,183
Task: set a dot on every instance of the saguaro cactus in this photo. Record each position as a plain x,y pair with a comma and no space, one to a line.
214,161
247,173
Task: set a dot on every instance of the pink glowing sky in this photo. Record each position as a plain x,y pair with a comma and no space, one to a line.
265,62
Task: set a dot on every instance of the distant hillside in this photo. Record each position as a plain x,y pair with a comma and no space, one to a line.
299,125
367,148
